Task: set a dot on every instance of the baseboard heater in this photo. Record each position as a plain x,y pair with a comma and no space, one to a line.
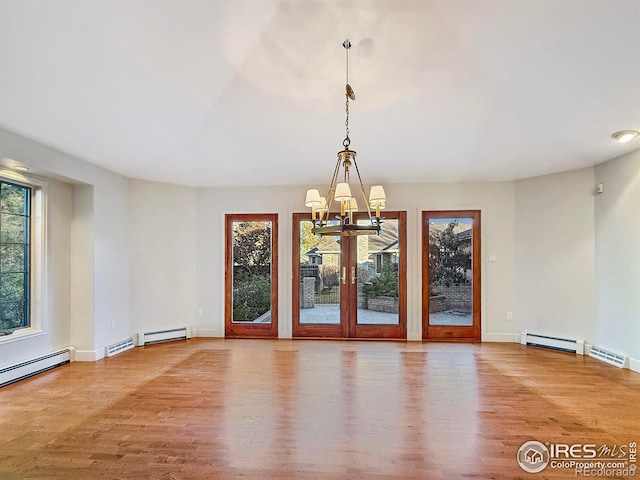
553,343
29,368
147,338
615,359
119,347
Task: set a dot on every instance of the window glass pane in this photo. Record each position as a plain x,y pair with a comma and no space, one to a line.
12,287
14,199
252,272
450,271
13,228
14,256
378,265
319,277
12,315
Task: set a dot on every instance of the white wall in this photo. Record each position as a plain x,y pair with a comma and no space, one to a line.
163,255
82,270
555,245
617,256
111,286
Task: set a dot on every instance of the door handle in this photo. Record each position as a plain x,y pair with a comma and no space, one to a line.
353,275
344,275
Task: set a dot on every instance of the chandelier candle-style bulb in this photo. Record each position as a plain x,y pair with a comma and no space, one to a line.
352,206
318,211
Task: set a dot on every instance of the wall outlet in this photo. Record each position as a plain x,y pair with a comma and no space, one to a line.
199,312
509,315
113,324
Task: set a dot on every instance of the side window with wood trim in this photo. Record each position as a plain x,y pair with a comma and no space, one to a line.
251,275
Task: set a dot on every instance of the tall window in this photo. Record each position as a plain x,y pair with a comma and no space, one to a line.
15,235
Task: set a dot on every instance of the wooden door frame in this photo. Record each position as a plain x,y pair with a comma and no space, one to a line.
350,329
389,331
250,330
442,333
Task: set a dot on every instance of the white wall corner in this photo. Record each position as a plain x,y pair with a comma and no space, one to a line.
501,337
634,364
89,355
587,348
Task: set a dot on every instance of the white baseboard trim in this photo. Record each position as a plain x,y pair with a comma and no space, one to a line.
634,364
207,332
501,337
89,355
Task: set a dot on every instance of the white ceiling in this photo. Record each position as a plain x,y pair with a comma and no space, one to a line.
241,92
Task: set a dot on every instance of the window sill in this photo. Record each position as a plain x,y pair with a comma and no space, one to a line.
21,334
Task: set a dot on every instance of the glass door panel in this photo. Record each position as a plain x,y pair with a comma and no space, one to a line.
451,275
450,271
250,275
319,269
378,264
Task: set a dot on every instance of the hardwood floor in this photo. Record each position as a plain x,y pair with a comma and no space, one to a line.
279,409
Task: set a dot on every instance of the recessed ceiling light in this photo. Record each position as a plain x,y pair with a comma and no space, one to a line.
21,168
624,136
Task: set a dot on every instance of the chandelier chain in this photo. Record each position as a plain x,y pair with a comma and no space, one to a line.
347,140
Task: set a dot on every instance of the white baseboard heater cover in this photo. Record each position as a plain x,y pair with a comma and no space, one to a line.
611,358
553,343
181,333
119,347
28,368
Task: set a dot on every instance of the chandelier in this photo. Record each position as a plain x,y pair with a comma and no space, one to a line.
345,224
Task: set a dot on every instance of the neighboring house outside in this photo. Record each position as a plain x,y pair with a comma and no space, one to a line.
313,257
327,252
377,250
384,248
464,237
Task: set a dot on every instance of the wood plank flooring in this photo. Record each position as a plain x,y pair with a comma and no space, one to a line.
280,409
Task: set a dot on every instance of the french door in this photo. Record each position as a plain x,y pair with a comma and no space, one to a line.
451,275
350,287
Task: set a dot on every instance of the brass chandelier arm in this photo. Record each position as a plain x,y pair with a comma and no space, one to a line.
364,194
331,193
